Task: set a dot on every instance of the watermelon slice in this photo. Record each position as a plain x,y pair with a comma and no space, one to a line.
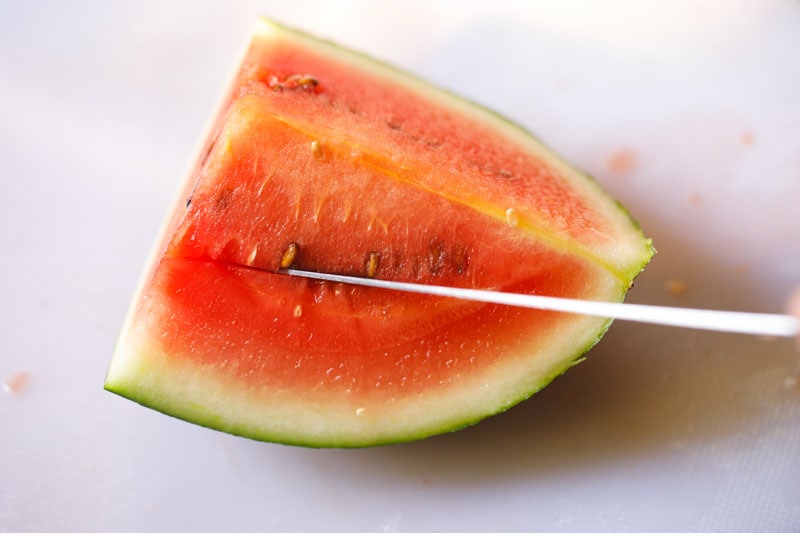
326,160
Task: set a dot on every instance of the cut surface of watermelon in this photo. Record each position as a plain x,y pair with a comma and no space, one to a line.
326,160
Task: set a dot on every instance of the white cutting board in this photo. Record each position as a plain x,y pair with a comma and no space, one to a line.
687,111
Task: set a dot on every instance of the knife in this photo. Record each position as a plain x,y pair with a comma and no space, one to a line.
774,325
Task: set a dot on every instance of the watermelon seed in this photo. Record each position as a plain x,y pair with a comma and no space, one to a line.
316,149
261,188
372,264
511,217
319,291
274,84
347,210
460,259
298,311
360,411
252,256
318,208
304,82
289,255
224,198
383,224
436,257
505,173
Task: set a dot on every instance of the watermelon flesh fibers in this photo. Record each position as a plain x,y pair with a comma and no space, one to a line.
325,160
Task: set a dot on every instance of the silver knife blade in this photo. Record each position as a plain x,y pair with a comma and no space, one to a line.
779,325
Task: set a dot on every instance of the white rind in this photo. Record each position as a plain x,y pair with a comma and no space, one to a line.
181,389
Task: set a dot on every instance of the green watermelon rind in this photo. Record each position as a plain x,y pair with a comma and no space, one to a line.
201,416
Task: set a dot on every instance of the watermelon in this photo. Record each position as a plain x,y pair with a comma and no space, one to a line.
323,159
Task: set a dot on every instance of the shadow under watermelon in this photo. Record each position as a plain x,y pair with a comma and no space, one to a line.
645,394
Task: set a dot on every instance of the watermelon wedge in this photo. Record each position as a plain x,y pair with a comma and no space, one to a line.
326,160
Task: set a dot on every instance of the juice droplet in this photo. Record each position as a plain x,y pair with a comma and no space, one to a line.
676,287
15,383
622,162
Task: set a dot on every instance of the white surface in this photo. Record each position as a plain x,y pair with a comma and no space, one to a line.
101,105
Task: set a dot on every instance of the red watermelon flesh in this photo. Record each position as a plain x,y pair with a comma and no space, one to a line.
352,167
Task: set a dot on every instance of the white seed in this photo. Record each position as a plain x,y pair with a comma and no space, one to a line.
316,149
360,411
298,311
261,188
253,253
511,217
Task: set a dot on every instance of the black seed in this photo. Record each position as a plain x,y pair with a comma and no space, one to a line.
436,256
460,258
224,198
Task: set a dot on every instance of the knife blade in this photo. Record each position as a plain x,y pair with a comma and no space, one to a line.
768,324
